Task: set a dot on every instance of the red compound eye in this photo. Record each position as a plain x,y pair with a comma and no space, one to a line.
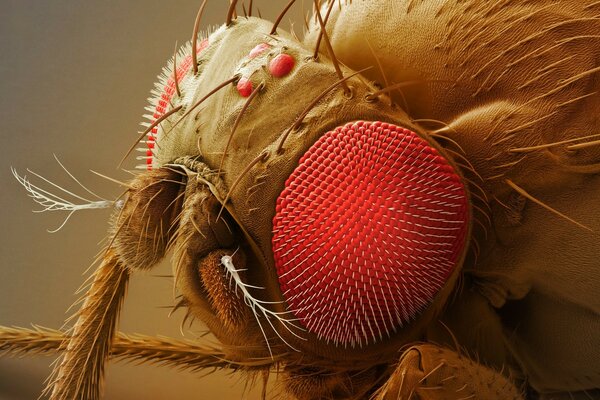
367,231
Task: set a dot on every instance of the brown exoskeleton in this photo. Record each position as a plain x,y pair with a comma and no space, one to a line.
422,228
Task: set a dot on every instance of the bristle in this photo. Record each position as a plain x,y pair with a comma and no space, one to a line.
368,229
310,106
522,192
202,100
280,16
193,50
231,14
53,202
262,157
149,130
181,354
173,75
224,297
336,63
259,307
252,96
80,372
321,32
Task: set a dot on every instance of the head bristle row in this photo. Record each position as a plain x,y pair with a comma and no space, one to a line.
165,96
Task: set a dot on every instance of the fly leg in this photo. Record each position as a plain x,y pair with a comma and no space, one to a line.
430,372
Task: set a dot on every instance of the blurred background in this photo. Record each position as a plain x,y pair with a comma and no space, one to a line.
74,79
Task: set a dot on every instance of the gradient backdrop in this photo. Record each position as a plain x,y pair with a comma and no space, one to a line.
74,78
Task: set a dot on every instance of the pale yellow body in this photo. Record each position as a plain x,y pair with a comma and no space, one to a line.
506,91
498,77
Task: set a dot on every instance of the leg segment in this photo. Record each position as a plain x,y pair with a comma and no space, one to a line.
430,372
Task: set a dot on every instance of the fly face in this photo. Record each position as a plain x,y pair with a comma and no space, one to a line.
315,228
311,223
317,220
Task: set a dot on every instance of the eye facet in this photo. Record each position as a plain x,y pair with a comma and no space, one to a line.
368,229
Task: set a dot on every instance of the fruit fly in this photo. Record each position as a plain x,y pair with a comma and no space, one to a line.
399,205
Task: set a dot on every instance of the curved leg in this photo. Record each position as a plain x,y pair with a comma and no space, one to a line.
430,372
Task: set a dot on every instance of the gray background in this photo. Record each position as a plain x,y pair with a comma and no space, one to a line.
74,78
